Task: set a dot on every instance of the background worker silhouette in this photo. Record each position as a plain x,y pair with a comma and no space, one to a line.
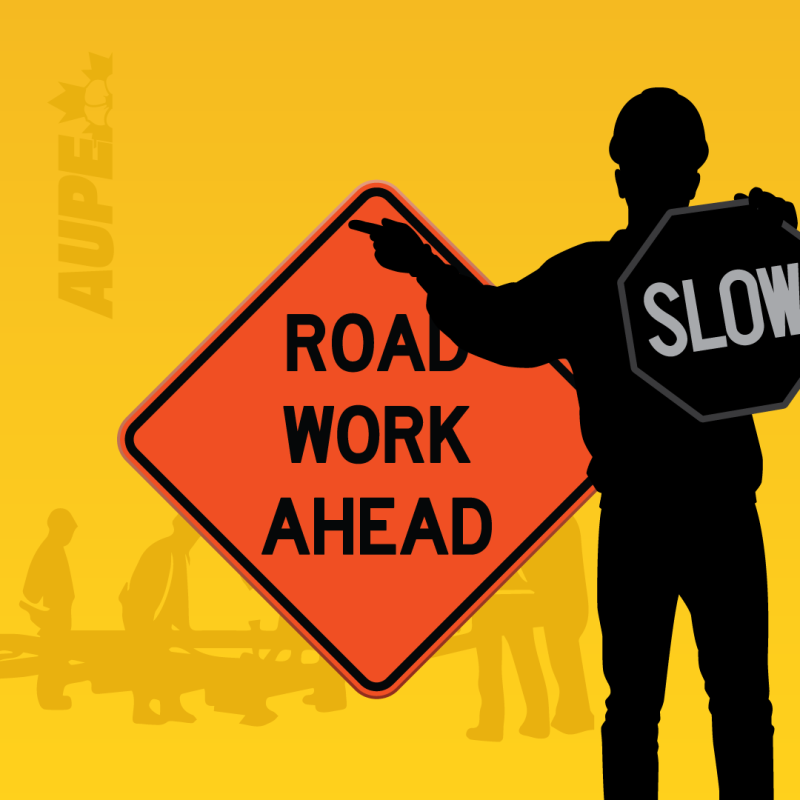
562,609
694,482
155,601
509,615
49,582
548,592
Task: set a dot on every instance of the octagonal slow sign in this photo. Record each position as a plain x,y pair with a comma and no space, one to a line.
711,306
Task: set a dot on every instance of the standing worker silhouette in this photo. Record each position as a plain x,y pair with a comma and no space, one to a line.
49,582
154,602
49,579
695,482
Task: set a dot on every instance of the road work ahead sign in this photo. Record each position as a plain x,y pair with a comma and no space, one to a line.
711,305
371,481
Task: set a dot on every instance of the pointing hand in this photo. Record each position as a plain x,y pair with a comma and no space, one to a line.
397,246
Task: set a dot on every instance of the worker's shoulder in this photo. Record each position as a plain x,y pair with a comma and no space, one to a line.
157,553
158,547
569,266
582,256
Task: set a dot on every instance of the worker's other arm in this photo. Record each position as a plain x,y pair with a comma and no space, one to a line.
517,324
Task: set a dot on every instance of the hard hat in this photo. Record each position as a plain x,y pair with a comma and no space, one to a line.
659,126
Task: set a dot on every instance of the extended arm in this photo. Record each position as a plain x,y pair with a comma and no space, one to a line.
516,324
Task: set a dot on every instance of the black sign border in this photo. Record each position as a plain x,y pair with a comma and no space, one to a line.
629,332
170,489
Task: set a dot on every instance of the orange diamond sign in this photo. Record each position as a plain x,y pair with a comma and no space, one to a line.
372,481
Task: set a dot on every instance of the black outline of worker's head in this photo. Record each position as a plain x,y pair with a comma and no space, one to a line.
659,144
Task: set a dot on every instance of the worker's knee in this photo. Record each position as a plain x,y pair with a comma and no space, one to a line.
739,705
635,709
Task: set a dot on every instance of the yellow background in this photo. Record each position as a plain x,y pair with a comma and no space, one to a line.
238,128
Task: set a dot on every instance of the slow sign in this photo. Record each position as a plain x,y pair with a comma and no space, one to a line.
711,305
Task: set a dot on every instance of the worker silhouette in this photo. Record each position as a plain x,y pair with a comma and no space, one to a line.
694,482
549,592
158,656
154,602
49,582
561,608
510,616
245,685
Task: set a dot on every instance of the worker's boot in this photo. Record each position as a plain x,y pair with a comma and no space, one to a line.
259,715
50,689
535,725
490,725
573,721
329,690
172,710
143,714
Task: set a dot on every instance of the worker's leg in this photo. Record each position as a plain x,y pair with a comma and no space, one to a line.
146,670
51,682
636,599
174,678
142,713
54,664
172,710
725,589
573,714
329,688
523,650
489,648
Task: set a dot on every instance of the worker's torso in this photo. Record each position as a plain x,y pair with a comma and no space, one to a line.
640,440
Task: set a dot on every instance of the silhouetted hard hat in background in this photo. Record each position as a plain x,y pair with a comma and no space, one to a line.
659,126
61,520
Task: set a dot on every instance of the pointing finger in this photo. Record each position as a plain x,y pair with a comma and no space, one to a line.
371,228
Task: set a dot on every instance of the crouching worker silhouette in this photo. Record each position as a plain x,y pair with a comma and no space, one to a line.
155,601
694,482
